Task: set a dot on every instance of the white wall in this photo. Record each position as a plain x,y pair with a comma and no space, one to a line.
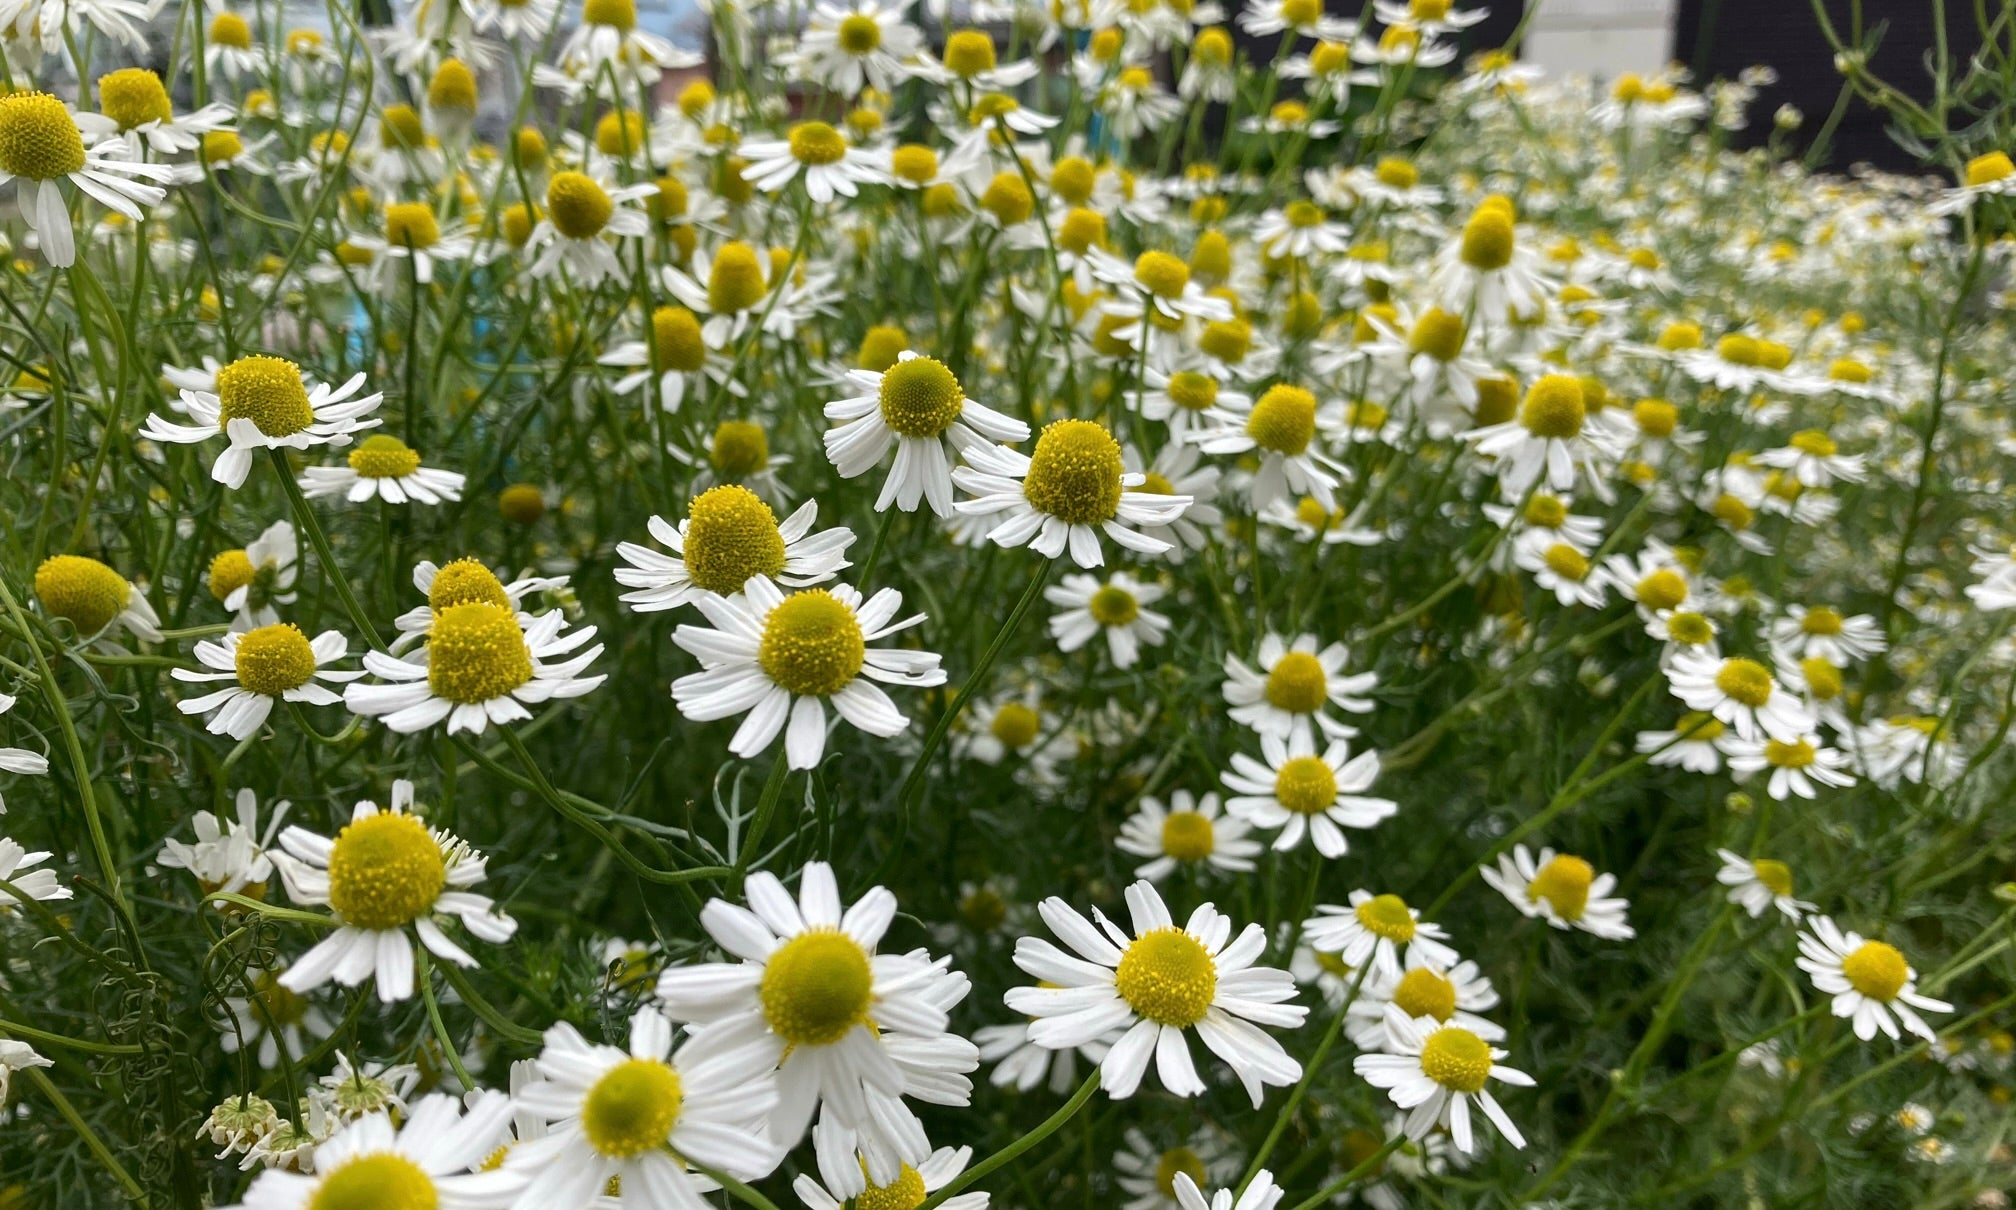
1601,37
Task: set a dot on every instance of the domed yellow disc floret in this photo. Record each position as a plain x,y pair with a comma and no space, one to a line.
968,53
268,392
1988,169
1178,1161
1488,239
376,1180
812,644
920,397
817,143
1161,274
274,659
1823,680
1081,230
522,503
1113,606
906,1192
232,30
1168,977
1438,334
133,96
1387,916
676,339
385,871
1564,883
816,987
399,126
1306,785
1663,589
453,87
880,347
1456,1059
1797,754
1191,391
39,140
1283,420
740,448
82,590
1567,562
1229,340
914,162
1424,993
616,14
731,535
858,34
1876,970
1074,473
632,1108
735,283
1554,407
383,456
463,582
1297,683
411,225
1188,836
476,652
230,571
221,147
1015,725
1072,179
1775,875
1008,199
578,207
1745,681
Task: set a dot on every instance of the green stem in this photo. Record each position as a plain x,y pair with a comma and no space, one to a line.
1008,1154
425,972
304,516
97,1145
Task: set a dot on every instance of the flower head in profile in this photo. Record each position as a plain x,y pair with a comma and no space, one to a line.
917,406
19,761
1437,1072
835,1147
262,402
1284,427
1073,488
390,879
1740,693
829,161
729,535
385,468
1157,987
229,854
1562,889
94,599
252,579
41,885
584,219
1872,984
1378,929
481,664
1759,884
44,142
265,666
16,1056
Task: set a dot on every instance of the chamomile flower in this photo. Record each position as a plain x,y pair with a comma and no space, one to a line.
833,166
135,99
1562,570
848,46
262,402
1741,693
1158,283
635,1119
1562,889
386,468
1183,399
1147,1174
253,579
1446,994
918,406
1159,984
1116,608
462,582
1436,1072
1282,427
1306,18
19,761
729,535
684,359
412,233
781,660
1697,743
583,219
426,1160
1821,632
1814,460
910,1187
969,57
480,665
43,142
33,884
1072,488
846,1028
1759,884
1549,441
1988,175
1189,832
389,878
1294,687
230,50
1306,794
16,1056
229,855
1871,982
1376,929
1797,765
1176,471
270,664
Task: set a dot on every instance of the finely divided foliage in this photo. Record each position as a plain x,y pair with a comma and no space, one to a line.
1218,605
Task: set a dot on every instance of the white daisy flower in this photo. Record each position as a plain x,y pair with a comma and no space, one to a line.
846,1028
1562,889
1282,425
413,233
43,142
781,660
1183,399
384,467
1303,793
1871,983
481,664
1988,175
910,1187
19,761
584,220
1796,764
1293,688
1147,1174
1164,981
387,876
1823,633
137,102
1262,1194
729,535
637,1119
918,406
1444,994
1073,487
1697,743
1739,692
1375,929
1266,18
832,165
1759,884
229,855
1812,458
34,884
1176,471
684,359
251,580
425,1161
230,50
1435,1072
270,664
1191,832
846,47
1562,570
969,57
262,403
1117,608
1548,441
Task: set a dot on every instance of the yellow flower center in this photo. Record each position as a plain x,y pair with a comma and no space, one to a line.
812,644
1387,916
221,147
1167,976
881,345
676,340
83,590
735,283
617,14
516,223
1428,10
1081,229
1456,1059
1655,417
1876,970
1815,442
1438,334
817,143
133,96
620,133
1178,1161
232,30
968,53
1732,512
857,35
1073,179
1191,391
816,987
230,571
731,535
1008,199
523,503
1074,475
632,1108
1738,349
1113,606
1497,400
383,456
1987,169
1306,785
1424,993
914,163
1690,629
1823,680
379,1180
1554,407
1698,728
1015,725
464,582
1297,683
1332,58
453,87
1564,884
1663,589
1283,420
1188,836
1821,620
1775,875
385,871
1488,239
1301,13
411,225
1546,512
274,659
906,1192
39,140
920,397
399,126
476,652
579,207
268,392
740,448
1745,681
1228,340
1213,47
1796,755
